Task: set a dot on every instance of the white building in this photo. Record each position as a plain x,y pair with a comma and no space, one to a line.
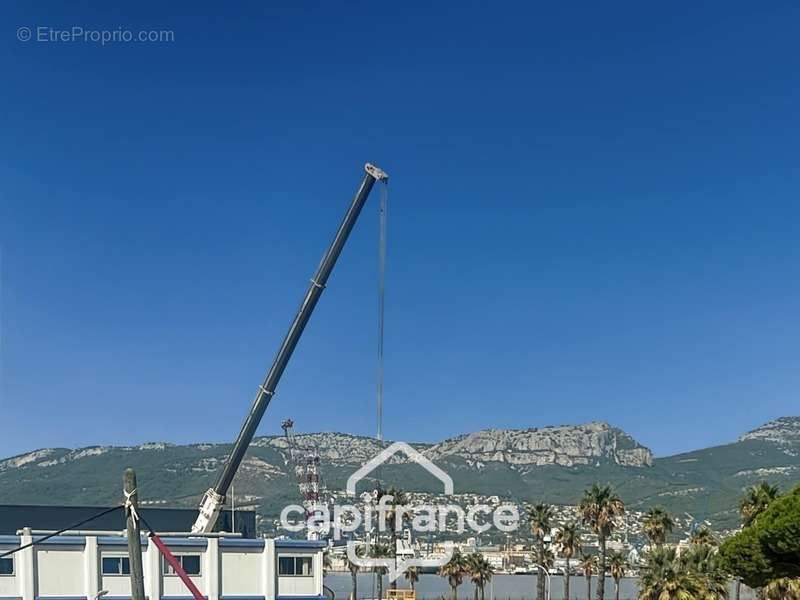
78,567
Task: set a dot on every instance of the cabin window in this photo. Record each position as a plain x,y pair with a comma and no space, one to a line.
297,566
189,562
7,566
116,565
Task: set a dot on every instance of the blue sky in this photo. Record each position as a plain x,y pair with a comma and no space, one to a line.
593,215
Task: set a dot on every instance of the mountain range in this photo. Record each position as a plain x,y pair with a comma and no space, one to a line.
552,464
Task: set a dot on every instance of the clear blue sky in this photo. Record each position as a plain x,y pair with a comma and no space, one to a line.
594,215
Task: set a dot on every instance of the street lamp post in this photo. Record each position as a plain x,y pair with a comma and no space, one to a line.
547,574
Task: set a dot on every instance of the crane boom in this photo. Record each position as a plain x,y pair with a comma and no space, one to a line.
214,498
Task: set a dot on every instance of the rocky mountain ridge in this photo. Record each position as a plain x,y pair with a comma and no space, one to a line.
564,445
785,430
551,464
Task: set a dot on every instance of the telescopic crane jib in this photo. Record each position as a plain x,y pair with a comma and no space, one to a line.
214,498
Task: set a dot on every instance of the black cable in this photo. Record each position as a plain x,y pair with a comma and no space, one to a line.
146,524
71,527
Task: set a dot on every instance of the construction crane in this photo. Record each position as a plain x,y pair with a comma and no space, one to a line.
306,465
291,442
305,462
214,498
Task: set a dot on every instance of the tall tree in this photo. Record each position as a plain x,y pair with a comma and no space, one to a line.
703,562
703,536
694,575
617,566
756,500
541,518
588,565
548,560
782,589
480,572
472,569
412,576
599,509
657,525
486,576
769,548
380,551
568,543
354,568
663,578
454,572
396,518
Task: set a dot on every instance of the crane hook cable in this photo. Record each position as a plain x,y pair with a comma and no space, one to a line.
382,211
384,202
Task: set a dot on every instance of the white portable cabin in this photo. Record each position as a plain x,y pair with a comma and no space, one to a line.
79,567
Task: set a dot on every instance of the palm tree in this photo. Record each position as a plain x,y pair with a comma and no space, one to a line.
480,572
353,568
782,589
657,524
541,517
664,578
599,508
548,559
694,575
380,551
412,576
702,536
588,564
617,566
702,561
755,501
454,571
396,518
487,572
472,563
568,542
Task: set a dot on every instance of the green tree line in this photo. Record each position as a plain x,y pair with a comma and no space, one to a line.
764,554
